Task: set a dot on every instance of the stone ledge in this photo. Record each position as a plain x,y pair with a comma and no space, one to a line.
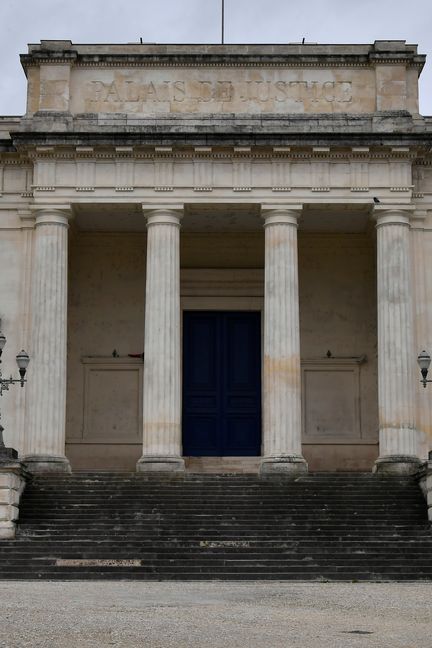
389,121
155,136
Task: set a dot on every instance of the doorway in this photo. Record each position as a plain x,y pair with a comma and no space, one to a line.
221,383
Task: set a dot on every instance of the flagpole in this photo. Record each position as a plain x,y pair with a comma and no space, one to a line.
223,20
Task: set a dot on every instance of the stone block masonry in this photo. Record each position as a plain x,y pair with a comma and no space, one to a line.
12,483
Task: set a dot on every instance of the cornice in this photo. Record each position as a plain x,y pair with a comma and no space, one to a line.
226,136
219,60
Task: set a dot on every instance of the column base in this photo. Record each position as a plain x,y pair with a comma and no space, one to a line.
396,466
167,465
287,467
47,464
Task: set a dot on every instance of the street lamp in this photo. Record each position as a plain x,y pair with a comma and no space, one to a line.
22,361
424,361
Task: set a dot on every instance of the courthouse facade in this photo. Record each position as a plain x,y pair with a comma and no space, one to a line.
218,258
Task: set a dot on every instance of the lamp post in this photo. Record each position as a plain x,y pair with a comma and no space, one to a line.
22,360
424,361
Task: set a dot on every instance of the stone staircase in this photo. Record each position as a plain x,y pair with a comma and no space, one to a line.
130,526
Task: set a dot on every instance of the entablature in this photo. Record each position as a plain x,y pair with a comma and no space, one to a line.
66,171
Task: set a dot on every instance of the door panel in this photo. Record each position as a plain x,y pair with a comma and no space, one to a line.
221,384
200,436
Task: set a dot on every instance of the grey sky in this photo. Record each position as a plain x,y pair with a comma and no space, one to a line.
198,21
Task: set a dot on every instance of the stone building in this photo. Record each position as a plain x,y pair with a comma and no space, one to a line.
257,219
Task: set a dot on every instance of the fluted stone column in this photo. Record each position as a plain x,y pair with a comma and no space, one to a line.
396,353
162,351
46,413
282,374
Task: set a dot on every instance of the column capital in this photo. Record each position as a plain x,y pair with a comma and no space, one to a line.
163,214
52,214
280,214
393,214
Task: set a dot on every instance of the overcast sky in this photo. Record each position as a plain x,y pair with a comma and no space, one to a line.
198,21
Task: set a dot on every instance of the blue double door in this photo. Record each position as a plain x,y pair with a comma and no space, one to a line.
221,383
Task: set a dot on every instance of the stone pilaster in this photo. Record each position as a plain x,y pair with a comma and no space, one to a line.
396,353
282,373
162,351
46,412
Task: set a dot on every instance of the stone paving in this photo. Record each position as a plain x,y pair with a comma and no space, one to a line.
215,614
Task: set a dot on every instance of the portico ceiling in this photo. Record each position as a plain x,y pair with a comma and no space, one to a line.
221,217
335,218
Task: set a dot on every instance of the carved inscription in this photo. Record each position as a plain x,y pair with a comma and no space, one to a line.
129,94
233,90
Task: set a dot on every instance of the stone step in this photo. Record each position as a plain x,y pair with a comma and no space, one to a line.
85,512
283,500
373,503
372,483
164,521
219,501
196,553
219,535
136,562
304,571
333,527
365,576
335,543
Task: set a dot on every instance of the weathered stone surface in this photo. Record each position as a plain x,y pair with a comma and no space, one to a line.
396,402
47,389
225,79
7,530
10,480
9,496
12,483
8,513
264,128
282,370
162,374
